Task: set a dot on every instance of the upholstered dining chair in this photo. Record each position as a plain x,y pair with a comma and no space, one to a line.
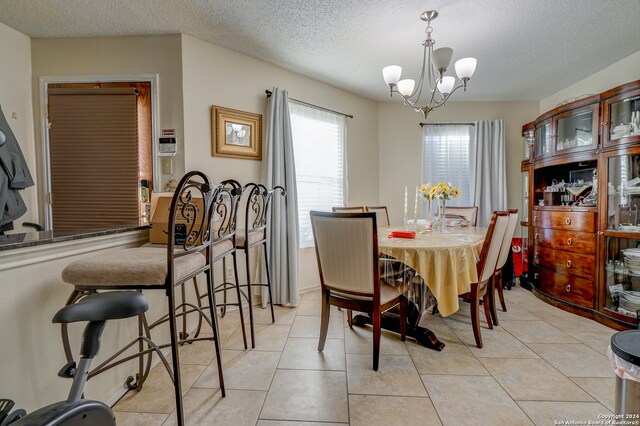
486,267
255,234
187,255
382,215
354,209
502,260
469,213
347,253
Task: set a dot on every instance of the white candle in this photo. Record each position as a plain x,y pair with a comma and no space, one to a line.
405,204
415,207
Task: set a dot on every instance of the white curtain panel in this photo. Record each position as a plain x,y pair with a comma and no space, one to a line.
488,171
279,169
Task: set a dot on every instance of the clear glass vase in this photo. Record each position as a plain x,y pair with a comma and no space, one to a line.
439,223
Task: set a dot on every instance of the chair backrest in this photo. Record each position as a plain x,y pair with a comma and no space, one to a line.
257,208
382,214
492,244
469,213
190,216
355,209
347,252
508,236
225,210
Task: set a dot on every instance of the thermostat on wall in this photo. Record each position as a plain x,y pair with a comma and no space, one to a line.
168,144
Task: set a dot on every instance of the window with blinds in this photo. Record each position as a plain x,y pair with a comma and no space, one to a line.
319,139
94,152
446,158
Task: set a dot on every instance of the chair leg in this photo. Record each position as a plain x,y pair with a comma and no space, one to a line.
435,310
216,330
492,299
487,310
249,297
475,318
324,321
266,266
183,334
175,356
498,284
199,303
350,318
403,318
377,330
223,308
235,276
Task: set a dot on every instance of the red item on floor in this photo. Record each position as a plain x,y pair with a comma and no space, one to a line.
402,234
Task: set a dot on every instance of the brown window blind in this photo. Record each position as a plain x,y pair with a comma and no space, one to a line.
93,146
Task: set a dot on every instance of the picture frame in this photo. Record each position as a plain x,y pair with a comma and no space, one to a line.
235,133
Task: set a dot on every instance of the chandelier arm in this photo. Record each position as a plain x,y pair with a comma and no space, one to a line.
418,89
408,102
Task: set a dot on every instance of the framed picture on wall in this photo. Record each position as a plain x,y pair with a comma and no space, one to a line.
236,134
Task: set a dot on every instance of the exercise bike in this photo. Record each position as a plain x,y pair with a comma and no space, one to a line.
95,309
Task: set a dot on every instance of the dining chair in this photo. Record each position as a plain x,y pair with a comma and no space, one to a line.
354,209
486,267
469,213
382,215
502,260
187,255
347,253
254,235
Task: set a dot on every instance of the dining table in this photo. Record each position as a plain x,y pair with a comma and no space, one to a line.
444,261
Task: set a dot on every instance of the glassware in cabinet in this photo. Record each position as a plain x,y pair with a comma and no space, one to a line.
622,271
622,115
576,130
543,138
623,193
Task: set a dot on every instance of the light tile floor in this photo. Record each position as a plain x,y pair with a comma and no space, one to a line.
540,365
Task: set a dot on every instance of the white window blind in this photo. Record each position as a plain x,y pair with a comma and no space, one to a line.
319,151
446,158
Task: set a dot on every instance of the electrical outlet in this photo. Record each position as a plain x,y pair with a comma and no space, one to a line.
166,166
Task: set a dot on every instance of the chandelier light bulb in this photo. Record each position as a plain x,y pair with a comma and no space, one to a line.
391,74
445,86
405,87
465,68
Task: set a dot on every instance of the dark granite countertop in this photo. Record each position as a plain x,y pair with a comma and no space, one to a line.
27,239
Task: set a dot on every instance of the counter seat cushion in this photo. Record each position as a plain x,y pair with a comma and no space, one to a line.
254,237
221,247
140,266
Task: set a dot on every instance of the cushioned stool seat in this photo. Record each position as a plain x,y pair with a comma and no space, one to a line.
254,237
135,267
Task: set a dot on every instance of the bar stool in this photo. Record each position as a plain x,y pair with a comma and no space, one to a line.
225,212
256,233
188,254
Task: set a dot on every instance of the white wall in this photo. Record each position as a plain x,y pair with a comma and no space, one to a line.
213,75
621,72
15,99
400,148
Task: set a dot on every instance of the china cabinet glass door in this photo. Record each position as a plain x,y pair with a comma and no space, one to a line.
622,115
623,193
576,130
543,138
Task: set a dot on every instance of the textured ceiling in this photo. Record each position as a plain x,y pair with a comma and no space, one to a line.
526,49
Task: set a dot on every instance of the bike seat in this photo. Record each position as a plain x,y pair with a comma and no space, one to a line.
104,306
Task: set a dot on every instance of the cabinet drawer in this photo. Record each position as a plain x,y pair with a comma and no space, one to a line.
568,221
566,287
565,262
577,242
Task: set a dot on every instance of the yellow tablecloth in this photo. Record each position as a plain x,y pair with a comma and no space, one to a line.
445,260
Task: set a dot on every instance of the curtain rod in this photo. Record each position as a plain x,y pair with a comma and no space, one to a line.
269,92
446,124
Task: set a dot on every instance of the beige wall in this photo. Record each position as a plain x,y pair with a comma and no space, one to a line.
621,72
105,56
400,150
15,99
213,75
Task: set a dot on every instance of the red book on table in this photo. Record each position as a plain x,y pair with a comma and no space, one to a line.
403,234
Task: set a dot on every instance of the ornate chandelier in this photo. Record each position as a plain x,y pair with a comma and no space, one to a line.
437,86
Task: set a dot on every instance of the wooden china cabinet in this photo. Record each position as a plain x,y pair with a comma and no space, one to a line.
584,241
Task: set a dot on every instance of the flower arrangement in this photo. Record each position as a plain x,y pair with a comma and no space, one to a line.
441,190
